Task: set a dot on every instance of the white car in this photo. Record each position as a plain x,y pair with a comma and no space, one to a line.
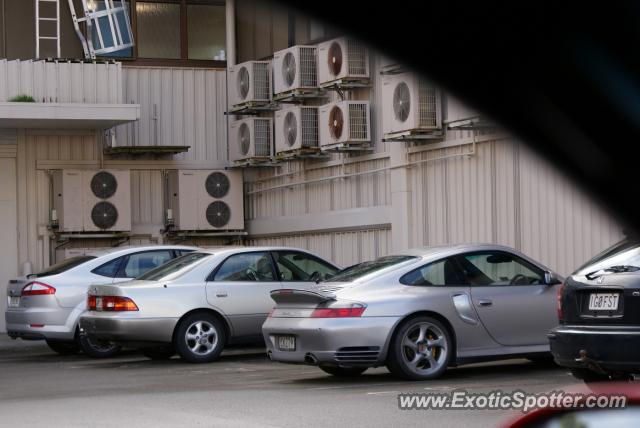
47,305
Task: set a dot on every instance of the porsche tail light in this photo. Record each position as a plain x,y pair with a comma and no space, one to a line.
350,312
37,289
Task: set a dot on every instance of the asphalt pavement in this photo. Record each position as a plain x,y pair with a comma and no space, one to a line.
242,389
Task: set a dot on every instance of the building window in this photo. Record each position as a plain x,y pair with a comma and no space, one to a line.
187,30
158,26
206,31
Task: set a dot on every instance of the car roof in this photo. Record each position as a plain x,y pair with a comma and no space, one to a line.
455,249
243,249
135,248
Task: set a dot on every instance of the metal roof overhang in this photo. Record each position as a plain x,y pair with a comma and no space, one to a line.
66,115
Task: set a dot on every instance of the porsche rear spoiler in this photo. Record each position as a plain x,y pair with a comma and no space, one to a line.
289,296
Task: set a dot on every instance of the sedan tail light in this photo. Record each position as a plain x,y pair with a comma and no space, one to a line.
111,304
350,312
37,289
559,303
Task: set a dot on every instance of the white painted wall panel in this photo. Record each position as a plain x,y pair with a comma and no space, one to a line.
178,107
365,190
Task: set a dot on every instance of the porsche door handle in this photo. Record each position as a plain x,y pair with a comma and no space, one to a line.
485,302
221,294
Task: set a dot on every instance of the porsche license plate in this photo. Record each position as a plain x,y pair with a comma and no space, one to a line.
603,301
286,343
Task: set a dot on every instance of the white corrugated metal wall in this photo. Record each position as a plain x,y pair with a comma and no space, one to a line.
500,193
506,194
178,107
61,81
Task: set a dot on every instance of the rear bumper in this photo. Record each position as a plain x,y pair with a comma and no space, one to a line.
116,328
611,348
41,323
331,341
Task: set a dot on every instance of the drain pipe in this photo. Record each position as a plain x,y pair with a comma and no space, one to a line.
230,24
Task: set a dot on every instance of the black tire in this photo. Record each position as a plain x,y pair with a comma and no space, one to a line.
98,348
343,371
63,347
205,340
159,352
589,376
397,359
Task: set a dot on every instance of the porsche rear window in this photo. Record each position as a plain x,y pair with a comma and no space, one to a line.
355,272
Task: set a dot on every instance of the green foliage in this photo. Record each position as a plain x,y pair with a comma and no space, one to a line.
22,99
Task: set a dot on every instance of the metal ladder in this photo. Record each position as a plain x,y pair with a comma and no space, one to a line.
41,19
120,37
86,46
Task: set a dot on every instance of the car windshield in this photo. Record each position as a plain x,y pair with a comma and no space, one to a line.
356,272
63,266
621,257
170,268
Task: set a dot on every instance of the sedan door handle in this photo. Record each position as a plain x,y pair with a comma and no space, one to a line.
221,294
485,302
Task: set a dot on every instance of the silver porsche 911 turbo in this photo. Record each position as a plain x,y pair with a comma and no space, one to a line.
198,303
418,313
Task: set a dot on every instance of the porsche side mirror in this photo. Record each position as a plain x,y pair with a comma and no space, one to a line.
551,279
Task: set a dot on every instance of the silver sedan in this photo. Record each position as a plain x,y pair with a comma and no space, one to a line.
47,305
198,303
418,313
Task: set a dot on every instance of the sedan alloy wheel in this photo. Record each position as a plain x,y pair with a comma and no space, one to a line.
200,338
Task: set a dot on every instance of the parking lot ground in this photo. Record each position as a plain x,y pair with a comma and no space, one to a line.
243,389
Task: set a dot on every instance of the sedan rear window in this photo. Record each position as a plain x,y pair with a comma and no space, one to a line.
355,272
63,266
173,266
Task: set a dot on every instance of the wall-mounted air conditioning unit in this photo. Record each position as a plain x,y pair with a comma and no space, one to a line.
296,128
205,200
249,82
92,201
250,138
342,59
345,122
409,103
295,68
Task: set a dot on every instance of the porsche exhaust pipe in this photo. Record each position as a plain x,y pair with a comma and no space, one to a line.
311,359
